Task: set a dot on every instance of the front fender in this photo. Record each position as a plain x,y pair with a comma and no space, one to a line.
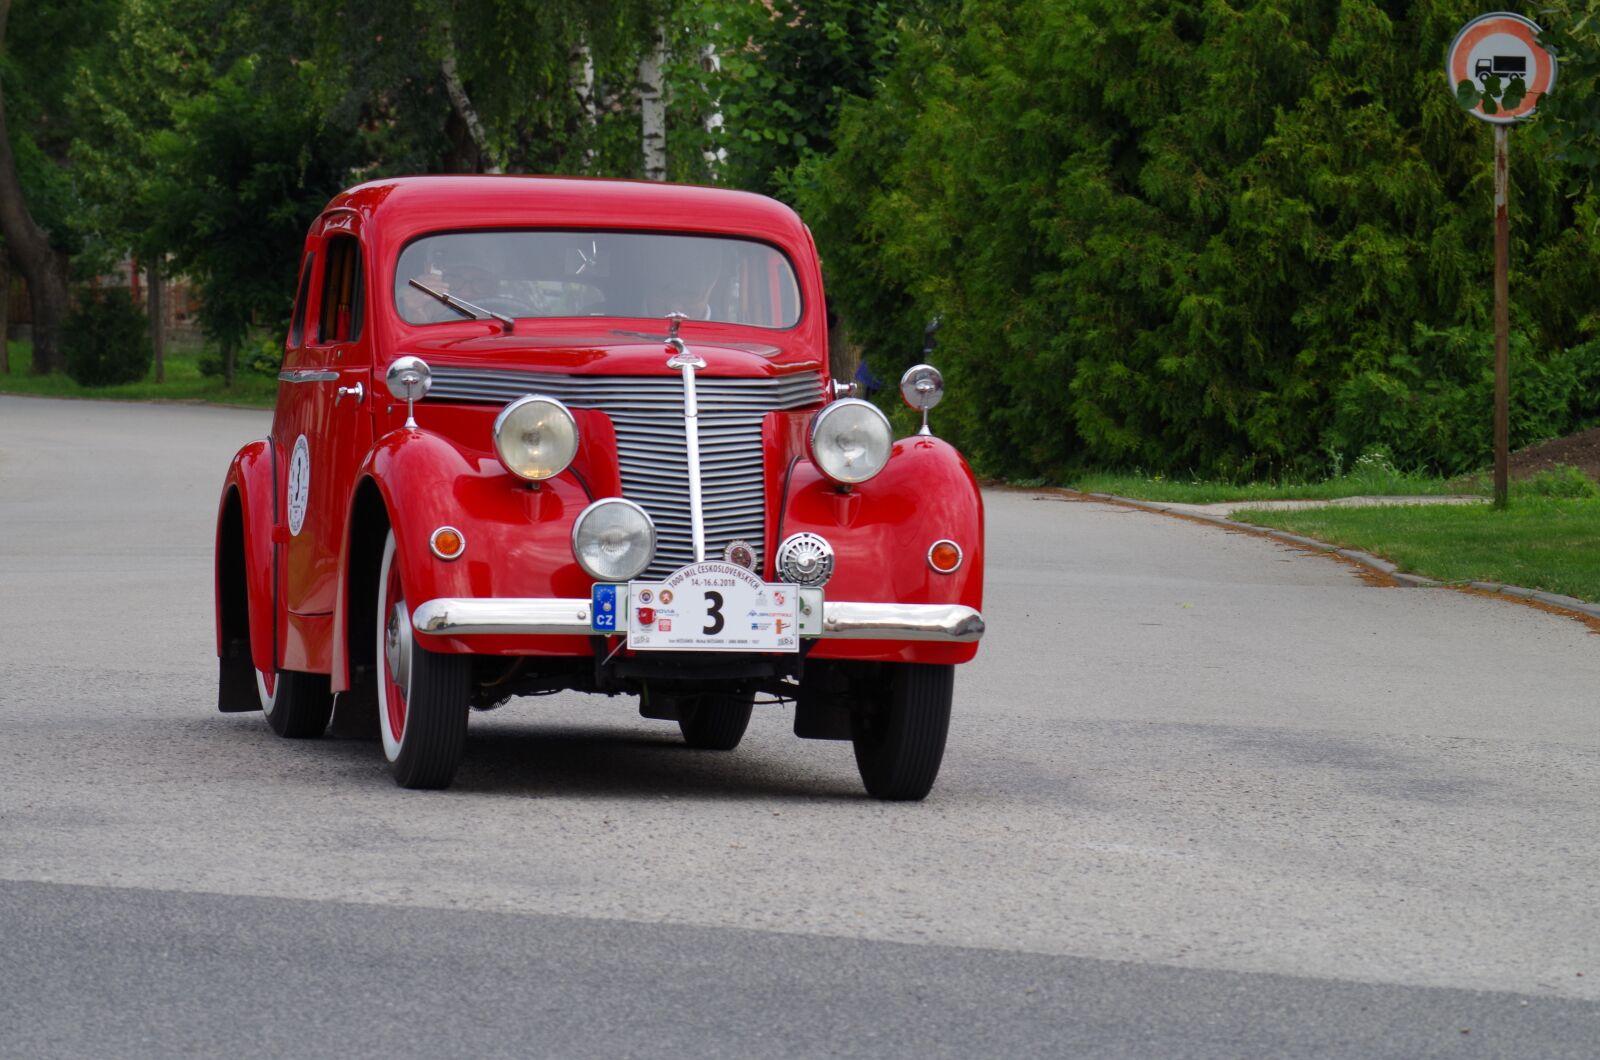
518,537
881,532
252,482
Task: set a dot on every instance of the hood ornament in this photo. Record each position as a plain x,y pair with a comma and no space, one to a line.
681,357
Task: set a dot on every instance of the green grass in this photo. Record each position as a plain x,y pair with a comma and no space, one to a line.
183,383
1549,543
1377,479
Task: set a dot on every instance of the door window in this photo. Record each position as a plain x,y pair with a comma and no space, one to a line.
297,329
342,301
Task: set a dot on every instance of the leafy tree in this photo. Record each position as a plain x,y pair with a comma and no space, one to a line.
1188,235
152,61
245,168
474,85
1569,118
38,205
785,67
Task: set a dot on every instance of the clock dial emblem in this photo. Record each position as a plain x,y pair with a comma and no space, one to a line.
299,484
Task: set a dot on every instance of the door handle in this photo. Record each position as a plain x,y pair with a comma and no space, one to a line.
358,392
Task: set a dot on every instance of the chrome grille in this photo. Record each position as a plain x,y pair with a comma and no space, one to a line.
652,450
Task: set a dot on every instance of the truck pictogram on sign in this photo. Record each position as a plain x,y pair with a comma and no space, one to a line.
1504,67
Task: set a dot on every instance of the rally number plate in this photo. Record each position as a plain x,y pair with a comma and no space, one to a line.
713,606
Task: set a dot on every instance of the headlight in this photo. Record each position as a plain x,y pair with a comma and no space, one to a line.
613,540
850,440
536,437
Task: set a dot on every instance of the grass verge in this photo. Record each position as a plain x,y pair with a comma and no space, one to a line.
1360,482
1548,543
183,383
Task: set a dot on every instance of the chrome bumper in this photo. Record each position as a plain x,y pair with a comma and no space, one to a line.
951,623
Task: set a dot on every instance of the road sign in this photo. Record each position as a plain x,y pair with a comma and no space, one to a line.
1503,46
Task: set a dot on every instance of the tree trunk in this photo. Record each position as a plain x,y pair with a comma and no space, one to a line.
653,109
461,101
230,354
715,154
41,265
583,76
5,310
158,320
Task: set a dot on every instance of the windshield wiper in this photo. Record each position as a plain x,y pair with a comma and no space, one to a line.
465,308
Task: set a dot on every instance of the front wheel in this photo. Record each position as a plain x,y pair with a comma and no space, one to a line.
900,742
422,695
715,721
297,705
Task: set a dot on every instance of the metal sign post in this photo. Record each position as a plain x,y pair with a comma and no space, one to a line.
1502,320
1498,71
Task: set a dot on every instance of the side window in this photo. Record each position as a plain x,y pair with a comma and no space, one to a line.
297,329
341,292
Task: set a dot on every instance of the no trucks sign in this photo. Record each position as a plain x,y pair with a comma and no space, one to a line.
1498,72
1498,69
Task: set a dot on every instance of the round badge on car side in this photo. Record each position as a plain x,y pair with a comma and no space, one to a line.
299,484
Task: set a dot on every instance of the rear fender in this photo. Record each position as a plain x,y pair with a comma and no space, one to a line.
243,564
881,532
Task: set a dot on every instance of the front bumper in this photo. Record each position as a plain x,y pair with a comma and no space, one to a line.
946,623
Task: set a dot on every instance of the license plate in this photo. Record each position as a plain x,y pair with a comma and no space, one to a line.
713,606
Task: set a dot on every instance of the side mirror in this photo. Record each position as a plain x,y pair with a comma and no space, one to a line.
922,387
408,379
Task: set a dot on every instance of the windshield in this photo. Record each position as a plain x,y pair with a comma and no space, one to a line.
589,274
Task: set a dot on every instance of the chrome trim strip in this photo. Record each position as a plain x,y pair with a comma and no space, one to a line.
688,362
306,375
445,616
858,621
952,623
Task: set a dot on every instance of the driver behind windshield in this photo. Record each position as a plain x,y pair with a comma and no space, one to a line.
682,281
470,282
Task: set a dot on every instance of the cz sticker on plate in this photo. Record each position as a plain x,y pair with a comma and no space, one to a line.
713,606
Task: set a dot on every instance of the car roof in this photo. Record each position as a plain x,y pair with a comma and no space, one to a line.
406,206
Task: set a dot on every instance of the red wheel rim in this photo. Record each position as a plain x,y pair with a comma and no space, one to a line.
393,595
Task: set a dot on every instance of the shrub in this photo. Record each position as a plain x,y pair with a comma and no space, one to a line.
262,355
107,341
1563,480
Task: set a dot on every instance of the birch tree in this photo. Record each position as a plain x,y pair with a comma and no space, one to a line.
653,107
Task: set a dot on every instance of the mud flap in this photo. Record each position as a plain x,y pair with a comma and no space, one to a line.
236,680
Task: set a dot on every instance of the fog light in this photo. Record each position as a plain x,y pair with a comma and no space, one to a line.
944,556
613,540
447,543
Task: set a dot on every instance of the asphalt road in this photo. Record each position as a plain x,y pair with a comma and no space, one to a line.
1205,795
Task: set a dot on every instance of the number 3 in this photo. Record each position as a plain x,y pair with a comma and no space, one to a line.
714,613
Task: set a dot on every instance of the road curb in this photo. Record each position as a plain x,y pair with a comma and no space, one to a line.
1376,564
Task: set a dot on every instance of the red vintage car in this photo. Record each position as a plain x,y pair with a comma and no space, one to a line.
540,434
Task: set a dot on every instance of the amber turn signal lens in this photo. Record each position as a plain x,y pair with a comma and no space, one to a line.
447,542
944,556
